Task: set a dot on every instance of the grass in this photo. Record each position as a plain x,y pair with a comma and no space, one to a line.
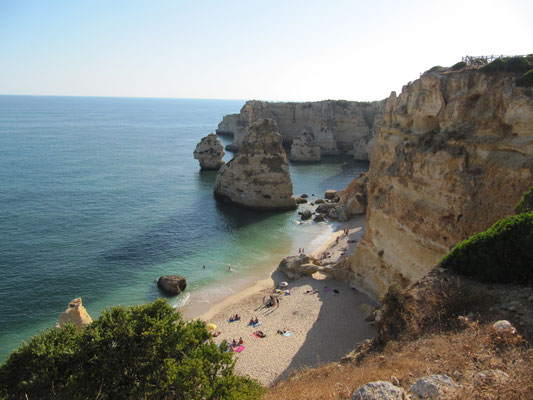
461,354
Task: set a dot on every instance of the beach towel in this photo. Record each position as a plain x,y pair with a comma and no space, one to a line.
226,349
239,349
288,333
257,336
256,325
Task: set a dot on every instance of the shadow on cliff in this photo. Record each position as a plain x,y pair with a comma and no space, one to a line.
339,328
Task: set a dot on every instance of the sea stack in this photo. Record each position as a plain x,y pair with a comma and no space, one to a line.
304,148
209,152
75,313
258,176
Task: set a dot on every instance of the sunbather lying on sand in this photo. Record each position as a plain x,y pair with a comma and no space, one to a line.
260,334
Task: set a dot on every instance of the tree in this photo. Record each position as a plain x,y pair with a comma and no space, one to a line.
144,351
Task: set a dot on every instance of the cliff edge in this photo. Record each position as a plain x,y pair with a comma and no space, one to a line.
453,156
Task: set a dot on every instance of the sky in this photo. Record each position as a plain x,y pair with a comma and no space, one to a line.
267,50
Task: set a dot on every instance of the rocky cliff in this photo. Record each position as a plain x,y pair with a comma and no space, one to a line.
76,314
209,152
258,176
454,155
336,125
304,148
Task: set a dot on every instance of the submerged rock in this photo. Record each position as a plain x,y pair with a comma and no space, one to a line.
258,176
76,314
172,284
209,152
304,148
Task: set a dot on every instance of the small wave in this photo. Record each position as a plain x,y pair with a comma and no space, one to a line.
180,301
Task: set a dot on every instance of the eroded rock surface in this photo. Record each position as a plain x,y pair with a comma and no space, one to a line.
454,155
76,314
258,176
379,390
209,152
304,148
434,387
335,125
297,266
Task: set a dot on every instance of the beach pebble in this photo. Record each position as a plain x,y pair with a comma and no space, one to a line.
379,390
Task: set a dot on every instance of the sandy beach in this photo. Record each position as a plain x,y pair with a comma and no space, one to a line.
326,318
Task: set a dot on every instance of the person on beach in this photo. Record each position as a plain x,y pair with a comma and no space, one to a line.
234,343
240,341
230,269
256,320
261,334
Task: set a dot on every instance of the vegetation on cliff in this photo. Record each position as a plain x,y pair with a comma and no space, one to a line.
525,204
502,253
144,351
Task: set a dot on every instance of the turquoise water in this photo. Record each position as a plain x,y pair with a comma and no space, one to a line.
101,196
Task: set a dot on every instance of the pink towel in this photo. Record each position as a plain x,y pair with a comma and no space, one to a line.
239,349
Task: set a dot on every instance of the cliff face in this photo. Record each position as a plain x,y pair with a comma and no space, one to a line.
454,155
336,125
258,176
209,152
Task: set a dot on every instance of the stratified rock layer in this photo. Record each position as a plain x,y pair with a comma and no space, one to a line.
258,176
335,125
76,314
209,152
304,148
454,155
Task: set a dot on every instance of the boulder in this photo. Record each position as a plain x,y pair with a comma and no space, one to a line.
258,176
209,152
76,314
304,148
503,326
172,284
319,218
300,200
306,215
492,377
297,266
434,387
379,390
319,201
330,194
323,208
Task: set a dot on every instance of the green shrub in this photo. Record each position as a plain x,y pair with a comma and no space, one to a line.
436,68
525,205
503,253
526,80
458,66
517,64
145,351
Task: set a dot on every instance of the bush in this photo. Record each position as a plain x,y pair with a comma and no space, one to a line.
516,64
503,253
458,66
526,80
525,205
436,68
145,351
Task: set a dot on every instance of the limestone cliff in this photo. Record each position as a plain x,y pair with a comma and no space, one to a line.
454,155
336,125
258,176
76,314
304,148
209,152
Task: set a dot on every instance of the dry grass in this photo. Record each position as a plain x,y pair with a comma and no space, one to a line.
460,355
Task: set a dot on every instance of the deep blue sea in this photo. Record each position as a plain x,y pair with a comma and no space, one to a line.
101,196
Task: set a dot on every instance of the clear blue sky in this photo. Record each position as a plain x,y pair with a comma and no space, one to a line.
272,50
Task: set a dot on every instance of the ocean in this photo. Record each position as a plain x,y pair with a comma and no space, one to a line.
101,196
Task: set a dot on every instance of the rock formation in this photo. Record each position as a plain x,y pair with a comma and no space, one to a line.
209,152
335,125
454,155
297,266
172,284
258,176
304,148
76,314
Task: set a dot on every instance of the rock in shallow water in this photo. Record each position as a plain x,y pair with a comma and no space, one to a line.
209,152
258,176
75,313
172,284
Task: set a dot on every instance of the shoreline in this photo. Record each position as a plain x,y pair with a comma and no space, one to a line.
324,325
